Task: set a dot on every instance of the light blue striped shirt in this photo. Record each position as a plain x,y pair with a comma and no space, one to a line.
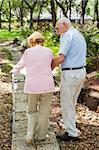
73,46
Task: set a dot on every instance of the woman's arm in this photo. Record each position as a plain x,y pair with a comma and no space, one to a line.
19,65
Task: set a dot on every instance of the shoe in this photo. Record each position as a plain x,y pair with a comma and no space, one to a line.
59,136
66,137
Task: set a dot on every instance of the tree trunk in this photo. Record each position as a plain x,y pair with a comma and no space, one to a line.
9,15
31,18
62,8
31,12
83,8
53,12
41,6
1,13
96,14
0,20
21,13
70,2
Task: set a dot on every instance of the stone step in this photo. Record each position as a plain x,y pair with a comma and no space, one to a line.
20,126
21,145
20,116
57,89
20,107
94,87
91,75
94,94
49,144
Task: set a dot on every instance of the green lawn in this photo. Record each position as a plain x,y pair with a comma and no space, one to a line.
9,35
51,40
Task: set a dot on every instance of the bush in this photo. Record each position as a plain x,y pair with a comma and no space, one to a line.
91,34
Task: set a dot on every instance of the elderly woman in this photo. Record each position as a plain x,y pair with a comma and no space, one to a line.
39,85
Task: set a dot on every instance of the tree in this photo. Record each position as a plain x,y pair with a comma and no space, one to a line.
40,6
63,6
96,14
9,15
31,6
21,13
1,5
83,8
53,12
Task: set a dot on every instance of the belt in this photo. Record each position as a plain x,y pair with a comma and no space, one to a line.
72,68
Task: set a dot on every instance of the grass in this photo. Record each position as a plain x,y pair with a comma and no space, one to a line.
6,35
7,63
51,40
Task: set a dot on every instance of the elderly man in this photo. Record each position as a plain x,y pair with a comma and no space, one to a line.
72,57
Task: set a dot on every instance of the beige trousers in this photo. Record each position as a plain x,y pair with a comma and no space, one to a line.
71,85
40,103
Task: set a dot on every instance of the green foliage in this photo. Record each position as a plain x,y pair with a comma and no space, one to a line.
6,54
6,66
91,34
26,32
97,75
52,41
9,35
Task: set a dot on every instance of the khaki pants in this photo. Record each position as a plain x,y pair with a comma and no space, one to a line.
40,103
71,85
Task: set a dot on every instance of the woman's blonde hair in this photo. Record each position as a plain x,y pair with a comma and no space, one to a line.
35,38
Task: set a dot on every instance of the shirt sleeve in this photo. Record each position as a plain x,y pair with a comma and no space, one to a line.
51,54
19,65
65,43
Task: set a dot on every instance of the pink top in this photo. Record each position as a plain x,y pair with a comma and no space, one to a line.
39,78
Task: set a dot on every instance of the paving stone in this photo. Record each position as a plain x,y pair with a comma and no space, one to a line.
19,85
20,116
19,77
17,91
94,94
20,126
54,146
21,145
50,139
20,107
49,144
16,145
18,135
20,97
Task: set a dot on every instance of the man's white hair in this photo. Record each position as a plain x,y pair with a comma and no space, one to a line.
64,20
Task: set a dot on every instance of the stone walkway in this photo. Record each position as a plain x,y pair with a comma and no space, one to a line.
19,115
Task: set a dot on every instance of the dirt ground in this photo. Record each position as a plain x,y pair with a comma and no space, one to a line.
5,110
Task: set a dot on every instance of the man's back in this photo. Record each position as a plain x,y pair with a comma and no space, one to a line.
75,48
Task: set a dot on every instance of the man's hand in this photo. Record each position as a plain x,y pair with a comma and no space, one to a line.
57,60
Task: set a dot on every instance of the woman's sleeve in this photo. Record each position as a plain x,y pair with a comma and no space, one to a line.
19,65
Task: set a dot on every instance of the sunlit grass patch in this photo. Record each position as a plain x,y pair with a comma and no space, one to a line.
9,35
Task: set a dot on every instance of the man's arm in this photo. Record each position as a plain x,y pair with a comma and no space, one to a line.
57,60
